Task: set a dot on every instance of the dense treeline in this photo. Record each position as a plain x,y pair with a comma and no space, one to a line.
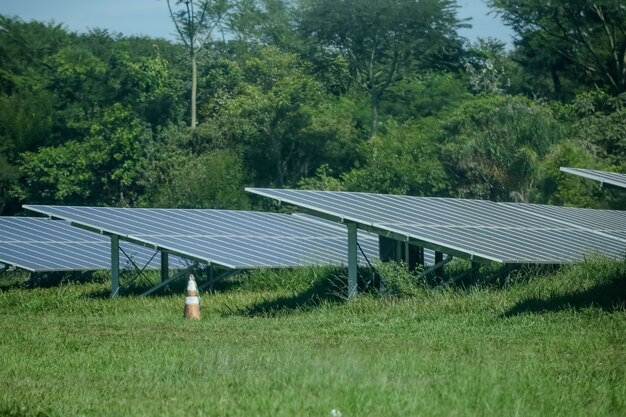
378,96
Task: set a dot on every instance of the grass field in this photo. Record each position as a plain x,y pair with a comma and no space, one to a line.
276,344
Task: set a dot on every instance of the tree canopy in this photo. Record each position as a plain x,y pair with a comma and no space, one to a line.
589,35
380,96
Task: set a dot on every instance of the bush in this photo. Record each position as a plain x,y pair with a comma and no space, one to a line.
398,281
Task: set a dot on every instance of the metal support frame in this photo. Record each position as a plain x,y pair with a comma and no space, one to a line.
391,249
407,255
213,279
473,272
437,266
503,271
164,266
439,271
352,261
4,269
115,265
398,252
420,256
164,283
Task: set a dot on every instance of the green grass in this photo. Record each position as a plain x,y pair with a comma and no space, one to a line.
280,344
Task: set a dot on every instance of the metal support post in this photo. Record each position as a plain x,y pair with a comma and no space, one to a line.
210,278
413,256
165,267
420,256
399,252
163,283
218,278
439,258
115,265
352,261
475,271
502,272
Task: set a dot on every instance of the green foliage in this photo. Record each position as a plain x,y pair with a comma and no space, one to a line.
279,117
595,141
322,180
559,188
27,119
384,41
423,96
398,281
491,69
492,146
23,50
147,86
215,179
97,118
294,281
9,176
589,34
603,126
404,160
595,283
104,168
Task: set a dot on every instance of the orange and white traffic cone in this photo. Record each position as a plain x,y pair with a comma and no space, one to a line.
192,300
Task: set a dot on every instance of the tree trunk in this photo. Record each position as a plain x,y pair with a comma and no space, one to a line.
374,103
194,89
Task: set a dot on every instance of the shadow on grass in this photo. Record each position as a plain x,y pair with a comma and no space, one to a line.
139,287
31,280
607,297
321,292
329,287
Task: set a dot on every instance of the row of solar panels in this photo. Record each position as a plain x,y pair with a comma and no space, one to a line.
232,239
509,233
477,230
612,178
43,245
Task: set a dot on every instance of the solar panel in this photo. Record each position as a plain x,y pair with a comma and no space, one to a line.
472,229
592,219
233,239
429,255
43,245
604,177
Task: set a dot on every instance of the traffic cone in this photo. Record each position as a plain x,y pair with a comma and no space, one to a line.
192,301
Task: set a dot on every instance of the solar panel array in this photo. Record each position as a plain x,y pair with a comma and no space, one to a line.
613,178
233,239
43,245
473,229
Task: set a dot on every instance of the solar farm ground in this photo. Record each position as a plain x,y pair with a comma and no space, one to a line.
277,344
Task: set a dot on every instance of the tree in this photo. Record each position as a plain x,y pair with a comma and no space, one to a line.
195,21
264,22
215,179
104,168
403,160
24,48
385,40
559,188
599,122
492,146
273,119
588,33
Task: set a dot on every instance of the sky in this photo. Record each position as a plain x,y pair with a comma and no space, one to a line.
151,18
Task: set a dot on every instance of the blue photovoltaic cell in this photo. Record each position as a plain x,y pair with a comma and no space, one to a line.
473,229
234,239
604,177
40,245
